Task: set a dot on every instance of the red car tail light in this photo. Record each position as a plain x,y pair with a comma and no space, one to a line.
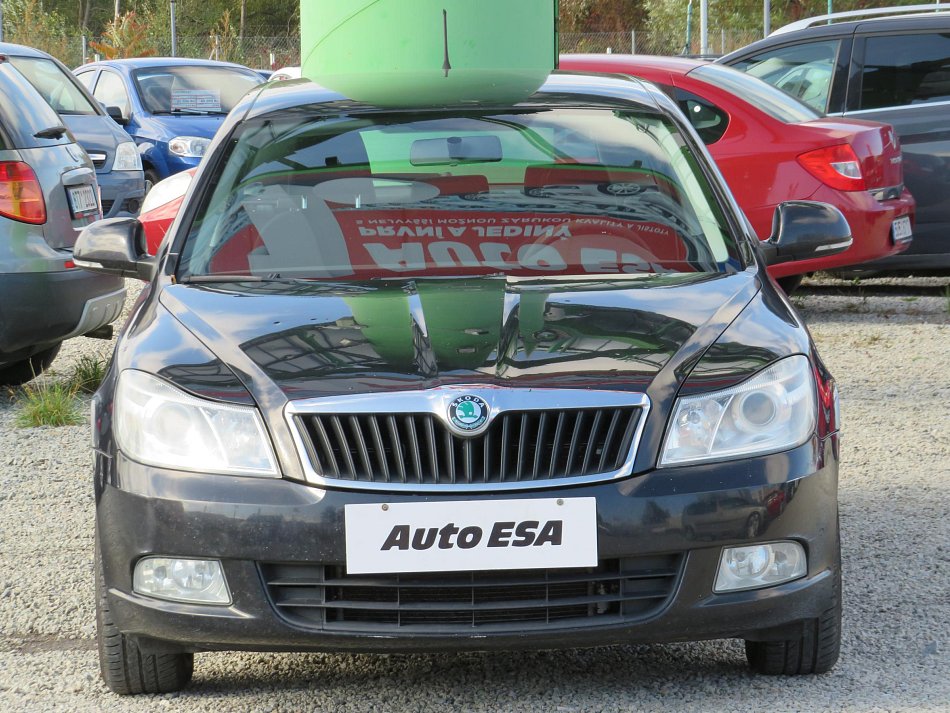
21,196
835,166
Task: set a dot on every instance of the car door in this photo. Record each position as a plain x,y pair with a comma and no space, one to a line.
903,78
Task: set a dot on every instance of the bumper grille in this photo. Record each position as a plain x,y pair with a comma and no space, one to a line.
328,599
518,446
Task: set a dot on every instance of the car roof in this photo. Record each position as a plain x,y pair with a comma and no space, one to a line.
142,62
676,65
596,90
8,48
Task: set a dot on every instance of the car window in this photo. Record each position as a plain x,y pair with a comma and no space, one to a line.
708,119
55,85
905,69
86,78
193,89
526,193
110,90
754,91
804,70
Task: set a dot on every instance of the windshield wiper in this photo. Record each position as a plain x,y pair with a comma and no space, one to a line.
53,132
197,279
196,112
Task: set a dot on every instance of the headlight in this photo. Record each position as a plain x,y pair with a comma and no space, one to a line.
189,146
159,425
167,190
773,411
127,158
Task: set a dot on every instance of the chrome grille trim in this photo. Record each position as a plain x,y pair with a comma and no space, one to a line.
422,417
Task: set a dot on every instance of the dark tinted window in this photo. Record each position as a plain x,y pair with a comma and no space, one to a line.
761,95
708,119
906,69
805,71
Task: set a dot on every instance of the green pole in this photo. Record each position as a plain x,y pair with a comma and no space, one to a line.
829,11
689,27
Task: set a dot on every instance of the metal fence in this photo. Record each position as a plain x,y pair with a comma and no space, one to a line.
271,52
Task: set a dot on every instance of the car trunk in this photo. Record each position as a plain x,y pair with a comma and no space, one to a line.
876,146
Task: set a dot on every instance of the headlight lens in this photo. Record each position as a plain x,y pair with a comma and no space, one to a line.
127,158
189,146
773,411
159,425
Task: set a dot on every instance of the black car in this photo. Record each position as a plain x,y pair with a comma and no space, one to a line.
893,69
379,398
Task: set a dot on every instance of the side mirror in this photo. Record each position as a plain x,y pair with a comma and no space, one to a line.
116,114
115,246
806,229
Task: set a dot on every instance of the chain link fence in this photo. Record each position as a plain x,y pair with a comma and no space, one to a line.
272,52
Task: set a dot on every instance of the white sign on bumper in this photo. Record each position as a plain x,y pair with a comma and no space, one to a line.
471,535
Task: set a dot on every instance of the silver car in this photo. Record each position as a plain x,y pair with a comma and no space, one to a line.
48,193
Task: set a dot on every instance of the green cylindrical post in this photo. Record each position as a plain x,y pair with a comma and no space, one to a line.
393,53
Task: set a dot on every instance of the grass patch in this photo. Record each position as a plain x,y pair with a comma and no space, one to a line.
48,403
87,374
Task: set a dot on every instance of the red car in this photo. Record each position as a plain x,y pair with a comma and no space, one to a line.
772,148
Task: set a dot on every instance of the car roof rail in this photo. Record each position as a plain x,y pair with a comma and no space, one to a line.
855,14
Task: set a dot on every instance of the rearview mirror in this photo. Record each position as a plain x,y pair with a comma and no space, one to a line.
455,150
806,229
115,246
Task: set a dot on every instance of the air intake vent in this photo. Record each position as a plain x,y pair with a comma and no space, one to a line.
518,446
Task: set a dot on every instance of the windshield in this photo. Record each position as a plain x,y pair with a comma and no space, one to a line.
533,193
194,89
54,84
772,101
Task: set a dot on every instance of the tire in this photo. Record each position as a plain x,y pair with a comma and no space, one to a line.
815,651
23,371
151,178
790,283
125,668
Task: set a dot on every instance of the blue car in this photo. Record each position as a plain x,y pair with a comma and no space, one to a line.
117,164
171,107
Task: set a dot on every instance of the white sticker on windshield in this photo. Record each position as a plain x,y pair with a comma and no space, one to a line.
196,99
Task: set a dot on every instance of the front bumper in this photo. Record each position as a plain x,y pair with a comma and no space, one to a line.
246,521
121,192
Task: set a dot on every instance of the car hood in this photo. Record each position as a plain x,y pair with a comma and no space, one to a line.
318,339
187,125
95,133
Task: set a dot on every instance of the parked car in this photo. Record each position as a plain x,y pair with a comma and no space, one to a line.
285,73
171,107
894,69
118,167
47,194
771,148
376,399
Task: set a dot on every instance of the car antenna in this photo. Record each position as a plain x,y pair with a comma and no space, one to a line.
446,65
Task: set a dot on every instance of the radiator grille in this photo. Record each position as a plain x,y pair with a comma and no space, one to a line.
616,591
518,446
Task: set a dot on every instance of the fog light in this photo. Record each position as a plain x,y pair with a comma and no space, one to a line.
181,580
762,565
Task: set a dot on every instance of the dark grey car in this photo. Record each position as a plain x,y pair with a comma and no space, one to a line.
48,193
894,70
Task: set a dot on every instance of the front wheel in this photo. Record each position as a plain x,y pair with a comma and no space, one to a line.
125,668
151,178
815,651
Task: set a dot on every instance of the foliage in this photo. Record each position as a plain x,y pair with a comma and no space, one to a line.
87,374
600,15
224,39
47,403
27,22
125,36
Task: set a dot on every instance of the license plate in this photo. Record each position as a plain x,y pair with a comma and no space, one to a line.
901,230
471,535
82,200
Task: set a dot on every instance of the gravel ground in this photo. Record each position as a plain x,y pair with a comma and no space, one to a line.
891,355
